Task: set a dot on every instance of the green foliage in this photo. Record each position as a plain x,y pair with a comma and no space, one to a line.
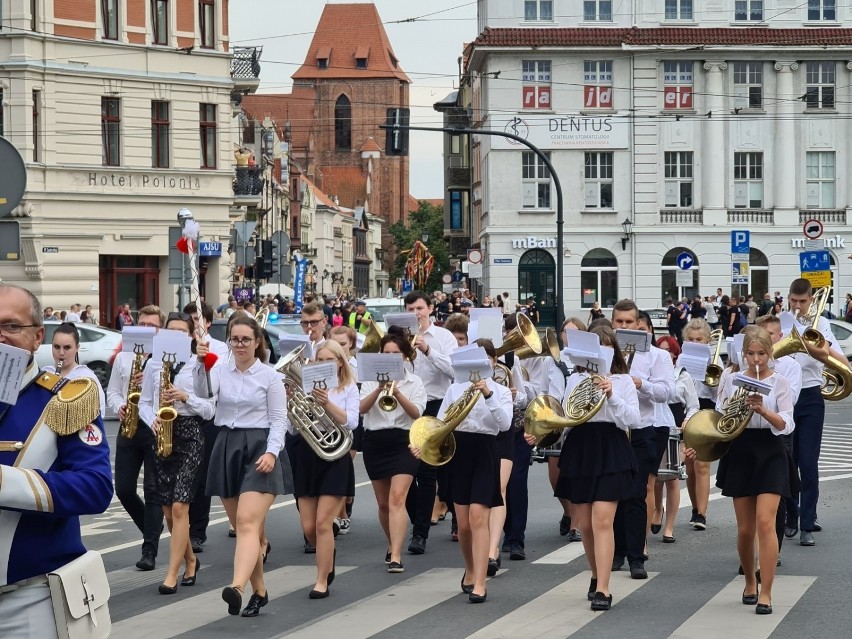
427,219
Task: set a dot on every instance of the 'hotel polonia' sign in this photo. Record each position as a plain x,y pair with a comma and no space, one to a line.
144,181
555,131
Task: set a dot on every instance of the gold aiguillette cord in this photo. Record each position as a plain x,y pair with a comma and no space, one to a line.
10,447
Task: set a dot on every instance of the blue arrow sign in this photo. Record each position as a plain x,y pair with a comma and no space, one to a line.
685,261
812,261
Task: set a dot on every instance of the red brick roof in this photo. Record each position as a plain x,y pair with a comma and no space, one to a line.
343,31
297,107
348,183
370,144
687,36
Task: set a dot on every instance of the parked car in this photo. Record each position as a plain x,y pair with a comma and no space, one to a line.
843,332
658,319
98,348
381,306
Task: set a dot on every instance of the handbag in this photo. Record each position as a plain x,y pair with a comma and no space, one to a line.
79,592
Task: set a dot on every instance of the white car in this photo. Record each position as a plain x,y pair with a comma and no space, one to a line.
843,332
381,306
98,348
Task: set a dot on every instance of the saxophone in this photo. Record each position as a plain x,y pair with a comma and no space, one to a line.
166,413
134,393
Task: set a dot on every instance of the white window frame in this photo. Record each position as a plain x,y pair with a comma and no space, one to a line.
597,72
542,10
682,10
750,7
748,180
820,81
748,85
678,171
820,180
821,8
598,175
597,10
537,73
536,187
678,72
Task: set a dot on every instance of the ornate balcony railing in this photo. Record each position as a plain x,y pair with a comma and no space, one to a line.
681,216
248,181
751,216
245,65
826,216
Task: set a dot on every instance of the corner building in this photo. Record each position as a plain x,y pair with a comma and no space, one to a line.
121,110
669,128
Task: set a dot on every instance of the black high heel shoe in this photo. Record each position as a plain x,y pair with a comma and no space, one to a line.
749,600
593,588
333,564
601,601
167,590
317,594
474,598
763,609
190,581
466,589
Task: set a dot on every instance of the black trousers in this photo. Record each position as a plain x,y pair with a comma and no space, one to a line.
131,455
631,516
199,509
421,494
517,495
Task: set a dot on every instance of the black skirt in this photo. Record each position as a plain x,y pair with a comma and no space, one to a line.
506,445
232,469
314,477
475,470
176,476
386,454
755,464
661,441
596,464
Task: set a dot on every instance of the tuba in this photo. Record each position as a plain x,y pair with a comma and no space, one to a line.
329,440
434,437
545,416
714,369
372,339
523,339
166,413
134,392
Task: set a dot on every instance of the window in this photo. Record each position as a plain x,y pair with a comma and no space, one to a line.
669,276
34,15
677,85
207,23
207,119
748,10
599,279
819,191
597,84
109,15
360,63
822,10
819,93
748,85
455,144
678,9
536,181
160,21
111,131
538,10
598,176
459,203
322,63
748,180
160,134
535,92
597,10
679,179
36,121
342,124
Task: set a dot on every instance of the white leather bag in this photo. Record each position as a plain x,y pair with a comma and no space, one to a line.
80,592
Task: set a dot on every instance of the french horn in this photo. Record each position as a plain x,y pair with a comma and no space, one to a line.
545,416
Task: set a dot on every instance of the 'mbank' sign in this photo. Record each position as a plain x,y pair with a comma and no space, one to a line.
534,242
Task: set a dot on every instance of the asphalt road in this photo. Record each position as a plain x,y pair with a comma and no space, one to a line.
692,591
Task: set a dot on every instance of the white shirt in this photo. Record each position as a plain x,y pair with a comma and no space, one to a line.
811,368
436,369
254,399
779,400
149,403
622,408
790,369
79,371
686,395
116,394
545,376
72,317
710,313
656,371
489,416
378,419
345,398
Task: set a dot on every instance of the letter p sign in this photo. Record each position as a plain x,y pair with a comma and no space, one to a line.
740,242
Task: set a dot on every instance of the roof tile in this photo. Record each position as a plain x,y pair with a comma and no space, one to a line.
348,183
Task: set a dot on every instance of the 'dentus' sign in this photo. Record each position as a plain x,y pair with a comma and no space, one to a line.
534,242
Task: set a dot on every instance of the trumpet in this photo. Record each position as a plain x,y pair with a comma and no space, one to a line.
134,393
714,369
387,402
166,413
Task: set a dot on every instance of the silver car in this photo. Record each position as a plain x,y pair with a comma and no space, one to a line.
98,348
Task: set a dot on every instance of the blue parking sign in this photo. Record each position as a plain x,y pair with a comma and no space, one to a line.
740,242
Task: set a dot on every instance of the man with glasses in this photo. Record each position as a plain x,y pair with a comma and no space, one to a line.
314,323
45,485
131,454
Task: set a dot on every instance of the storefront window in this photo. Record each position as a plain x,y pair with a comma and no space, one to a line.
677,282
599,279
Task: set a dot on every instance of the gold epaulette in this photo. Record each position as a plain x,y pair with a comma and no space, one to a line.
48,380
74,406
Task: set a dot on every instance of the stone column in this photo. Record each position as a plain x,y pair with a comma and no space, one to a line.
714,182
785,155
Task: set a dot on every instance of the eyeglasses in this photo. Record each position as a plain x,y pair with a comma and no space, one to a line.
183,317
148,325
311,323
240,341
14,329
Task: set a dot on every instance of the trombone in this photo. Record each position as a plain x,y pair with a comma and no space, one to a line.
714,369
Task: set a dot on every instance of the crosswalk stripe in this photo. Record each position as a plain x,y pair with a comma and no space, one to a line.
196,612
377,613
560,610
725,616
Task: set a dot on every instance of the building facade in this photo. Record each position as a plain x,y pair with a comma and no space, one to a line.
668,130
122,112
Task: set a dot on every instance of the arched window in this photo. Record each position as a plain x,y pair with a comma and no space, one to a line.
599,279
758,275
342,124
536,279
678,282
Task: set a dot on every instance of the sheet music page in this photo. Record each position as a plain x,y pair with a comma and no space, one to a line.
380,367
752,384
319,375
172,342
288,343
629,339
403,320
133,335
13,367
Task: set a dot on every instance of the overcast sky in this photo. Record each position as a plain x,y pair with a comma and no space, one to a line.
427,49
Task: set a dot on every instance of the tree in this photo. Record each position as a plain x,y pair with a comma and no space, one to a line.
427,219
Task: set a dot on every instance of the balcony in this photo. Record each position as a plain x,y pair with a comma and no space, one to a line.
245,68
682,216
751,216
338,232
458,176
826,216
248,185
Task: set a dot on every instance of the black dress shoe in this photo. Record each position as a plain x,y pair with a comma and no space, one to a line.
266,554
516,553
474,598
806,539
197,545
668,539
637,570
601,601
564,525
593,588
617,563
256,602
310,549
318,594
234,598
816,528
506,547
575,535
417,546
763,609
749,600
190,581
147,562
492,567
791,531
167,590
466,588
388,557
232,533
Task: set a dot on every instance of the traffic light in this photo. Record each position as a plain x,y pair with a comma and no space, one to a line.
266,260
275,250
396,139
